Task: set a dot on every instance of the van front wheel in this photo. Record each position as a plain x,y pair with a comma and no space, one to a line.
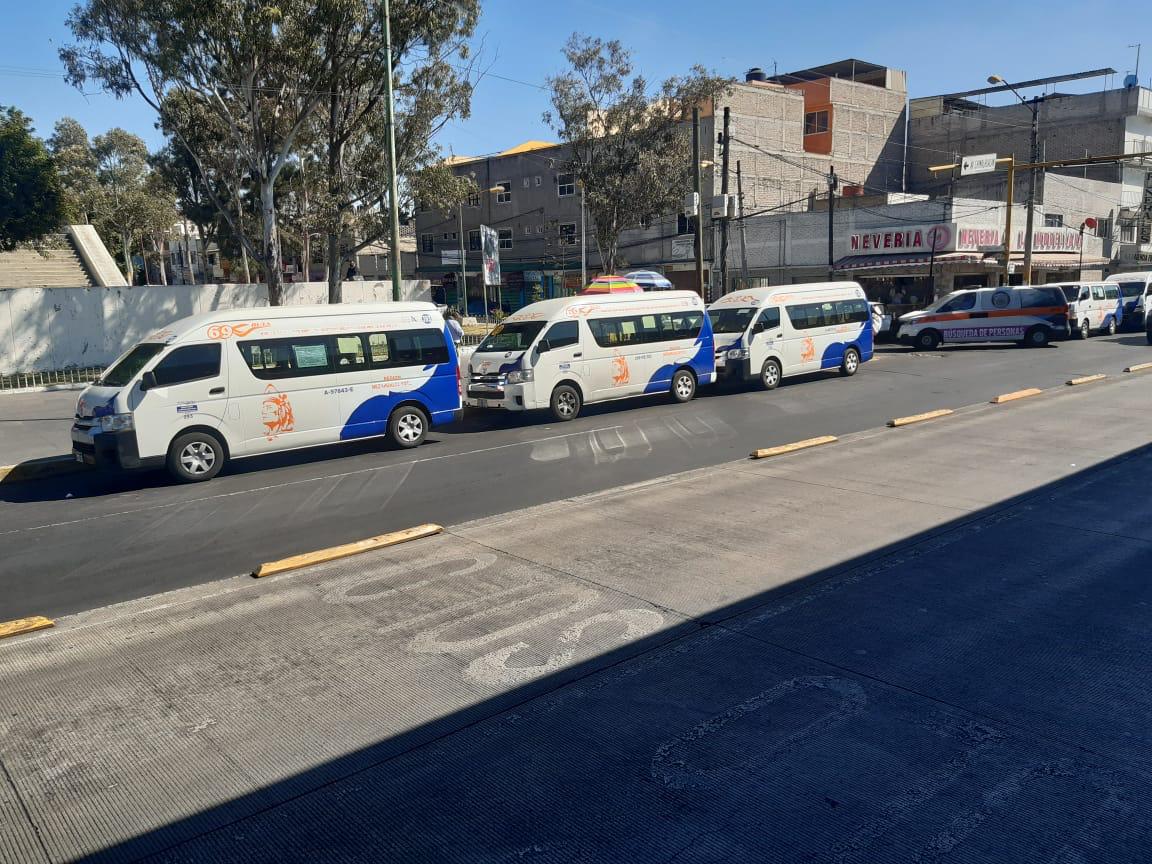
770,374
927,340
408,426
683,386
1085,329
195,457
566,403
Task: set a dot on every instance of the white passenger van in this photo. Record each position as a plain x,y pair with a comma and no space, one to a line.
1093,307
1030,315
1136,289
565,353
242,382
766,334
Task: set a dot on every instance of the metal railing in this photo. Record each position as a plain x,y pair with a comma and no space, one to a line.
29,380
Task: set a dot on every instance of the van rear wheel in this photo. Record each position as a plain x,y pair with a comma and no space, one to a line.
851,363
1037,337
1111,328
195,457
408,426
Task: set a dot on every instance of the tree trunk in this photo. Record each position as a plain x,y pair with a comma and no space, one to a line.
306,254
335,286
240,240
160,258
125,242
273,269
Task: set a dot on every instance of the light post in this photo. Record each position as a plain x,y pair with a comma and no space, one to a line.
1087,223
393,186
1032,105
583,240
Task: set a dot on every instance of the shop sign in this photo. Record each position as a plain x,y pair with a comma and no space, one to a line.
683,247
985,163
981,239
914,238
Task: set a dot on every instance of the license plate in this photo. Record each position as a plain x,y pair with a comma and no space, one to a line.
483,403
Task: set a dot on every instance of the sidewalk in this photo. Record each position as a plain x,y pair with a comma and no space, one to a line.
917,644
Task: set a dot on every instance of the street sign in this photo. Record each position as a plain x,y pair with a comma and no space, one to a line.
985,163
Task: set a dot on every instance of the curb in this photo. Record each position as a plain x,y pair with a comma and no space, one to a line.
39,469
25,625
768,452
1085,379
1016,394
333,553
1139,367
919,418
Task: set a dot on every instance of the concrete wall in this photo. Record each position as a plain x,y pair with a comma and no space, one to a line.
43,329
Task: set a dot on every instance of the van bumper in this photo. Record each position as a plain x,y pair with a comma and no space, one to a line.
110,450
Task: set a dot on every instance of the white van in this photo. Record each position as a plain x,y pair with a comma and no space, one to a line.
1136,289
768,333
242,382
1031,315
1093,307
565,353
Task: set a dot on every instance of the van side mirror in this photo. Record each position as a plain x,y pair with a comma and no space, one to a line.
543,346
148,381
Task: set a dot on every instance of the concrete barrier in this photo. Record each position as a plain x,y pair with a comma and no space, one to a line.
45,329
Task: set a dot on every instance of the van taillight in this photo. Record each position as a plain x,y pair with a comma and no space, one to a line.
459,381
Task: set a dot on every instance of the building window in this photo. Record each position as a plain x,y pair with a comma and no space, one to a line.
539,229
474,240
504,196
426,244
505,238
815,122
685,224
474,199
1053,220
527,182
1104,227
568,236
450,235
537,179
566,184
527,230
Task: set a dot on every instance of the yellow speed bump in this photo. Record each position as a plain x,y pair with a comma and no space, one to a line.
1139,367
332,553
1016,394
1085,379
793,447
919,418
25,625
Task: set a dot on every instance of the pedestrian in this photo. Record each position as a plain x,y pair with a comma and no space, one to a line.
455,327
913,300
352,271
897,297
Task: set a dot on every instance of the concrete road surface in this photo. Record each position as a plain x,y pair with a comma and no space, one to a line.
79,542
916,645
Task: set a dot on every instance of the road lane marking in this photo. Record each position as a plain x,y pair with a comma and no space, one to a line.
290,483
919,418
333,553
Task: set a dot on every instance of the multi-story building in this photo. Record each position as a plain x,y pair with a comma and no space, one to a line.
1109,122
786,133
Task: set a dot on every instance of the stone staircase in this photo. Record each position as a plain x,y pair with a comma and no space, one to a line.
56,267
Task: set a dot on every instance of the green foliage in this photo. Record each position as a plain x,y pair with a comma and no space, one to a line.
31,201
628,145
72,152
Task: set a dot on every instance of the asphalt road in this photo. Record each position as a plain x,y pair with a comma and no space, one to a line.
80,542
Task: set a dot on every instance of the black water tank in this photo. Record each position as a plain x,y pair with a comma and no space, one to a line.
755,74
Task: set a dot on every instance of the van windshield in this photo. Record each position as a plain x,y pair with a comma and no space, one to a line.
1131,289
731,320
128,368
515,336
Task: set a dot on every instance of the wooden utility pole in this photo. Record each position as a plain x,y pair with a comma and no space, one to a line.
698,237
743,232
724,198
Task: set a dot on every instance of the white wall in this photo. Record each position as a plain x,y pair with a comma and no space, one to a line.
44,329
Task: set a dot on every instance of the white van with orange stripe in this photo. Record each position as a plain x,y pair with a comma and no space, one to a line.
1030,315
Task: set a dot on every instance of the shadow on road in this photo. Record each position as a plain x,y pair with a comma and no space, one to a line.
975,692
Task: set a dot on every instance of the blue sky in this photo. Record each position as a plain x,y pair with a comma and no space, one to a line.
943,47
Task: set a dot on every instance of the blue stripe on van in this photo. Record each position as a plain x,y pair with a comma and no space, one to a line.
703,362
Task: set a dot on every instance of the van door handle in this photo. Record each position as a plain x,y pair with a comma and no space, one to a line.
578,354
216,391
979,315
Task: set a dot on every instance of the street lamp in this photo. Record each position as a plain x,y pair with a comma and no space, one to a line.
1087,223
583,240
1032,105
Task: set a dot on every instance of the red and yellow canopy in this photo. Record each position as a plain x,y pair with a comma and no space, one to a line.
612,285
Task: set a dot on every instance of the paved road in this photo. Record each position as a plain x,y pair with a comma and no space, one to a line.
79,542
828,662
35,425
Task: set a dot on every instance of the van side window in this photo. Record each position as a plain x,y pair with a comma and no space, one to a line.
807,316
413,348
378,348
646,329
190,363
1097,292
563,334
770,318
288,358
962,303
1111,292
1035,298
350,352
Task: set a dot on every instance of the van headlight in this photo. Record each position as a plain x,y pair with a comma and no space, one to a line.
519,376
116,423
738,354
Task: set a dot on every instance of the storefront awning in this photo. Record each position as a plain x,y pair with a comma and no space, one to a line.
907,259
1057,260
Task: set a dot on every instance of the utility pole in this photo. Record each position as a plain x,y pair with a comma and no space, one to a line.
462,290
833,185
697,239
1031,215
724,198
743,233
393,186
583,241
